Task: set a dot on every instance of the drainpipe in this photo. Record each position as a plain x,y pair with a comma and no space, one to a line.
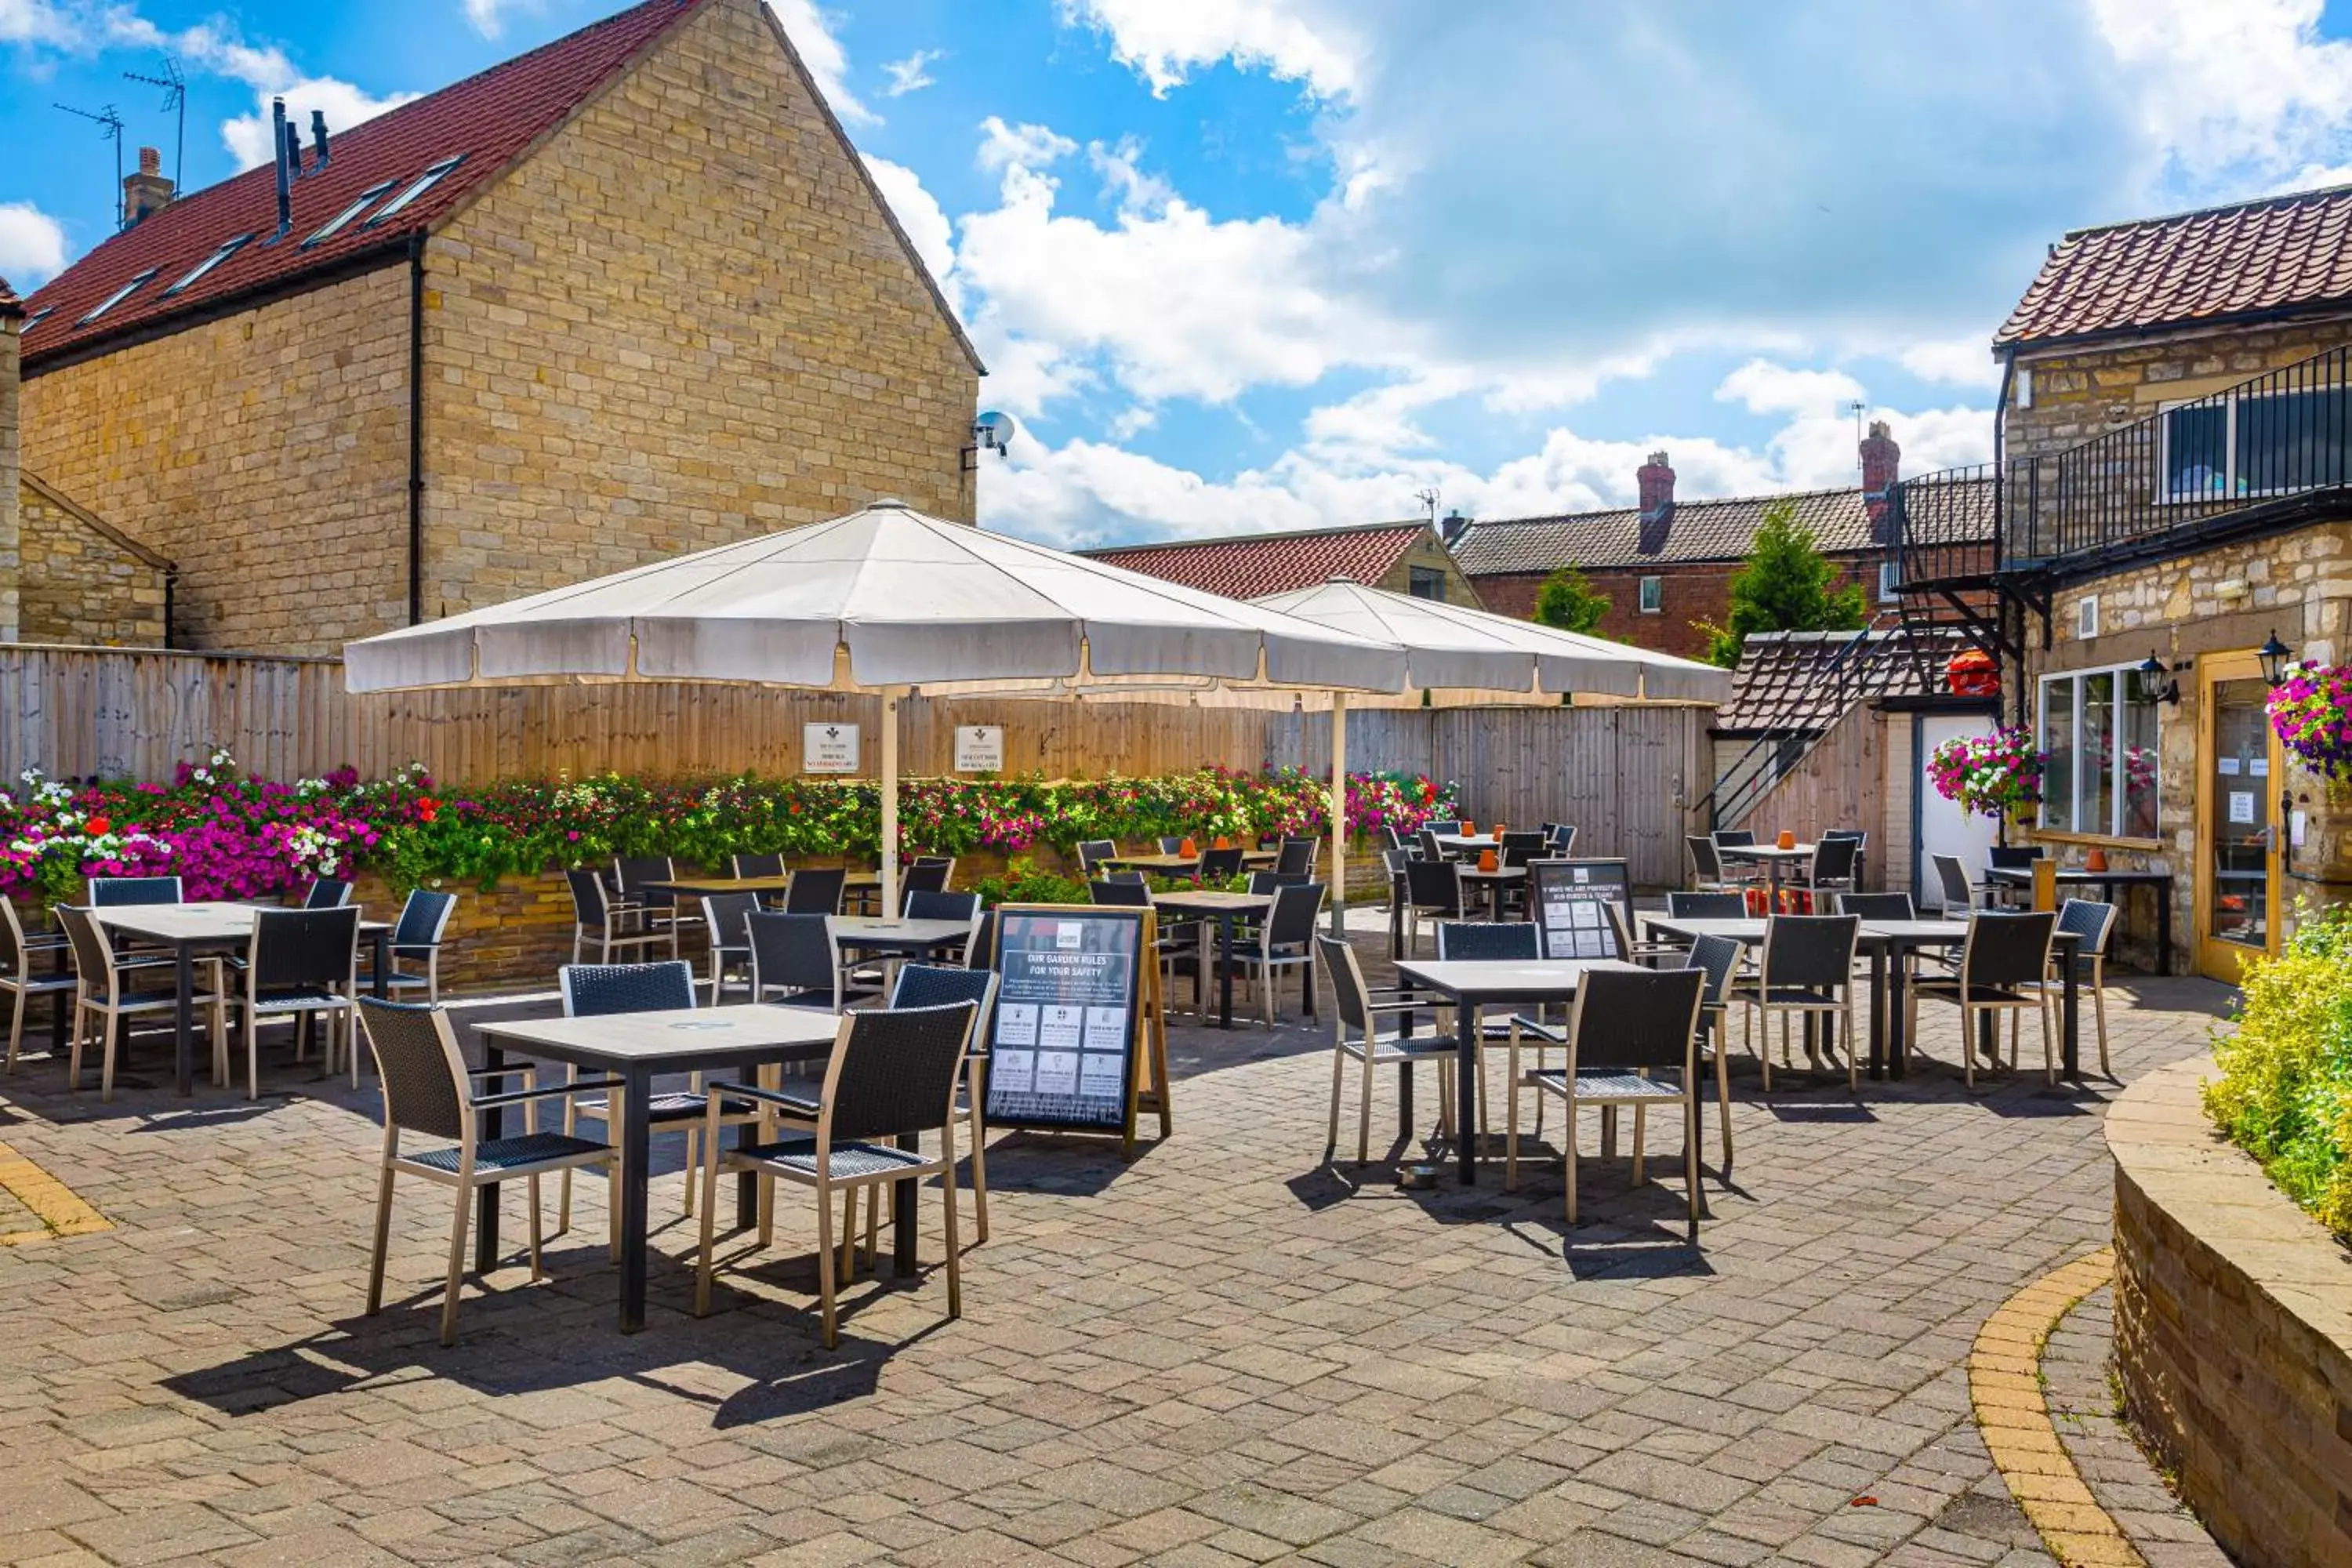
415,428
170,596
2000,486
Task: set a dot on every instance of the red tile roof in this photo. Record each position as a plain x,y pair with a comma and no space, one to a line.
1252,565
1695,531
2216,264
490,118
1803,682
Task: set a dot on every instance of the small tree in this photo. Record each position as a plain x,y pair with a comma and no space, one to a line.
1786,586
1567,603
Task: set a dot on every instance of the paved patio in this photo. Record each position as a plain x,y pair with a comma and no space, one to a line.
1224,1353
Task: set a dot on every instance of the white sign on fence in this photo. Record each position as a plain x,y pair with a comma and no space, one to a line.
828,748
979,748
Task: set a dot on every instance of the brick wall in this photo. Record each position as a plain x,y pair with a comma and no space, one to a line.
2081,392
683,322
266,453
1430,555
11,323
82,581
1688,593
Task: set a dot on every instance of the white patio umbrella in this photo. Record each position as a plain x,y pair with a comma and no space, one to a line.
883,600
1462,652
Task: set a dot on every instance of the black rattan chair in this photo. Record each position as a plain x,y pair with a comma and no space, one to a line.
1877,906
416,939
1563,840
795,963
1831,870
1296,857
742,866
1804,971
2004,967
1284,941
327,893
1952,883
926,874
112,892
1718,957
815,890
22,982
1113,894
1433,891
893,1074
725,915
931,985
1498,942
303,964
1707,906
1221,864
1093,852
656,912
1706,866
2093,923
115,992
2011,858
428,1092
1355,1008
597,921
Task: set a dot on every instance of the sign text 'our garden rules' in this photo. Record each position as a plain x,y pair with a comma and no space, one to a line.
828,748
1066,1012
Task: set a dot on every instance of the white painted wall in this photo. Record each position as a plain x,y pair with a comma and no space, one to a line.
1944,828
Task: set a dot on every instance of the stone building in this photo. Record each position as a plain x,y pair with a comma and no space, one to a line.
2174,499
1402,557
628,295
1666,563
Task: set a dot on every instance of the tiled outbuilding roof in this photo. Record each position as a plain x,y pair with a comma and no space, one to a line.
489,121
2251,259
1802,682
1252,565
1693,531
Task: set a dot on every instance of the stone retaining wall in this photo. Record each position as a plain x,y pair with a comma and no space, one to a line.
2233,1332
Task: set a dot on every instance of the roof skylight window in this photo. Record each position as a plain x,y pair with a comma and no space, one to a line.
424,182
116,297
36,318
336,224
228,250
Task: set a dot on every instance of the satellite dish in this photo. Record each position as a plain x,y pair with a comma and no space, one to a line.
992,432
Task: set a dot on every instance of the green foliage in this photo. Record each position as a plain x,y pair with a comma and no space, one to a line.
2285,1095
1567,603
1024,883
1786,586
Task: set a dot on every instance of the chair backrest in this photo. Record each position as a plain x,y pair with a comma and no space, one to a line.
1563,839
1436,826
327,893
1705,864
1430,848
1858,835
1171,843
815,890
1736,837
1833,859
1120,895
1221,864
423,919
1877,906
793,952
1519,848
1350,999
2089,920
926,876
942,906
13,959
1707,906
894,1069
1291,921
1458,941
1297,855
936,985
1433,884
755,864
2012,856
635,870
2006,947
1123,875
93,951
1394,861
1092,852
1636,1018
980,952
588,898
1718,957
1810,950
728,915
419,1064
1952,881
593,990
1395,839
112,892
303,947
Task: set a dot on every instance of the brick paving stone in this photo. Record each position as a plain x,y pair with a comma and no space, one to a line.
1223,1352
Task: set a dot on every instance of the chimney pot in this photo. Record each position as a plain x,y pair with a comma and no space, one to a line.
1656,481
319,135
279,131
147,191
150,161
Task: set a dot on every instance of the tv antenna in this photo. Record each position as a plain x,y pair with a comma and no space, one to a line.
1428,499
175,96
111,127
1857,408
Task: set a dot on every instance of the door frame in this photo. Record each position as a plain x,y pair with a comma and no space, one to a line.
2224,960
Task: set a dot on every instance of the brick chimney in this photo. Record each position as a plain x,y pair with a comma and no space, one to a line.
147,191
12,324
1881,460
1657,490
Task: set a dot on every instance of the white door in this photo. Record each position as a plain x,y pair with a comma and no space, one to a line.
1944,827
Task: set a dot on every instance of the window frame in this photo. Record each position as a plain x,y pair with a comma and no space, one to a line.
2125,684
1433,577
195,274
1890,573
1650,596
344,219
433,175
119,295
2233,486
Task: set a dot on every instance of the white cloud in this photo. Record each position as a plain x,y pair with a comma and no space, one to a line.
246,136
1963,361
1163,42
827,61
2248,85
31,246
912,74
489,16
1006,147
1770,388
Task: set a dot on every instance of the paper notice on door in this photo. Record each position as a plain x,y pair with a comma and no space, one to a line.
1058,1072
1106,1029
2259,767
1061,1028
2228,766
2241,805
1013,1072
1099,1076
2298,825
1017,1024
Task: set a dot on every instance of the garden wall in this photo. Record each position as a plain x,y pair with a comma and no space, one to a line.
2233,1331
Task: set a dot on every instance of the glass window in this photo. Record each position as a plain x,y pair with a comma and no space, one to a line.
36,318
424,182
1653,595
2101,732
116,297
1888,575
2197,452
335,224
226,250
1426,583
2273,443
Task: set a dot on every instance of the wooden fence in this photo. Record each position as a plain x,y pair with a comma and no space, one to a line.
1622,775
1839,783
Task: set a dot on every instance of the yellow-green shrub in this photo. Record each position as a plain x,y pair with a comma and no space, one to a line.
2284,1094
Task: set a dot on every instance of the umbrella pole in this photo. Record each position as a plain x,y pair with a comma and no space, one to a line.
1340,815
890,695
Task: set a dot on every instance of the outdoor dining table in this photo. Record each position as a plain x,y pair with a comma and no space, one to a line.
1890,944
1471,984
2107,881
1774,860
1228,910
1496,882
1181,865
189,929
857,884
636,1047
912,939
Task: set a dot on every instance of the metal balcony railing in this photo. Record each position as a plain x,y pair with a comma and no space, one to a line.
1946,528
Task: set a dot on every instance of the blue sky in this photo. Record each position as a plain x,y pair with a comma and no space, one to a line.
1239,264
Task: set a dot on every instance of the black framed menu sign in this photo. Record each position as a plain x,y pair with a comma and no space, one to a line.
1076,1045
1571,899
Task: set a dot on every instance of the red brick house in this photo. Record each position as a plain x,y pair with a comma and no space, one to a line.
1402,557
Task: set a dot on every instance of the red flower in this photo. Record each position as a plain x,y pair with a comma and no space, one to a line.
427,808
97,826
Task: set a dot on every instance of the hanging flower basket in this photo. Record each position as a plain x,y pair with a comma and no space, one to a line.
1972,673
1988,776
2311,713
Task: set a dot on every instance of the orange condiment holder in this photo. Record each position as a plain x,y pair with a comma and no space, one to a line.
1485,859
1469,830
2096,860
1498,833
1788,840
1222,842
1188,846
